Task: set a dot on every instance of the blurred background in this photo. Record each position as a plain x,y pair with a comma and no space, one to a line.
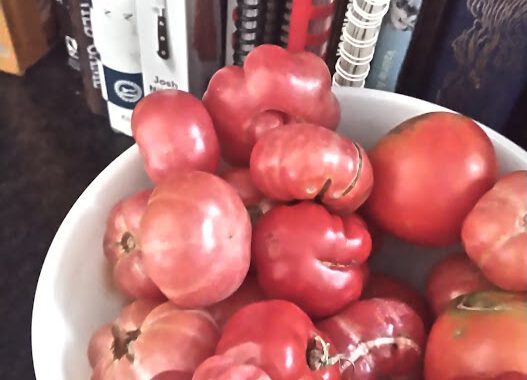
71,72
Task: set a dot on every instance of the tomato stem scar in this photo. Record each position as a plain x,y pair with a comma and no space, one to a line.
128,242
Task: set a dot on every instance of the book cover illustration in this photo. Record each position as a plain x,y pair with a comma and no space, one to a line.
481,68
394,38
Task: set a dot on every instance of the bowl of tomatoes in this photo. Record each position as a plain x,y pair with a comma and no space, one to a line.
281,228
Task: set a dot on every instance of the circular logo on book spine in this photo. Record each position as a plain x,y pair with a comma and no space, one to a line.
128,91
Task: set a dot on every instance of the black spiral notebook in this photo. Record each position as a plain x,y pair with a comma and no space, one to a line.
470,56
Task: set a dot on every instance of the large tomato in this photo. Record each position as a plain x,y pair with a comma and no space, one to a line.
380,285
304,254
274,88
248,293
174,133
121,247
429,173
451,277
377,339
196,239
495,232
281,340
163,343
480,334
504,376
305,161
221,367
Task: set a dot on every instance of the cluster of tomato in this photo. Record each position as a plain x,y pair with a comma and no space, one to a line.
258,270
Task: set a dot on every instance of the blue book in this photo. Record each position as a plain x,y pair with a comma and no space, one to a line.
394,38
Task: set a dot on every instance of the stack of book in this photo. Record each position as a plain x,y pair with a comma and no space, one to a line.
468,55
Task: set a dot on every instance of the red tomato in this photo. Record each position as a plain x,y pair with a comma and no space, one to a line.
122,249
505,376
167,343
304,161
481,334
304,254
377,339
174,133
280,339
380,285
274,87
495,232
196,239
451,277
225,368
248,293
257,204
429,173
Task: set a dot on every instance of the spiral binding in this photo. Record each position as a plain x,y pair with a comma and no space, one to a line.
250,27
359,36
286,23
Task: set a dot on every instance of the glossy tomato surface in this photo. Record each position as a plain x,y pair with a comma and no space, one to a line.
380,285
495,232
305,254
225,368
274,88
279,338
305,161
174,133
164,342
196,239
377,339
451,277
429,173
121,247
480,334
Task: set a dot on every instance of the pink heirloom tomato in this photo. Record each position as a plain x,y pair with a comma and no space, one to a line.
121,247
305,161
495,232
174,133
196,239
306,255
146,342
377,339
279,338
274,88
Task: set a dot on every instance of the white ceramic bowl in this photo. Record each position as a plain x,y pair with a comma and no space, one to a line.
75,295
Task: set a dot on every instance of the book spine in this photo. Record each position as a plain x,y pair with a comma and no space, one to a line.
115,35
88,55
392,45
65,30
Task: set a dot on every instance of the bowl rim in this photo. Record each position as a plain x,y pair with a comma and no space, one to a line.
53,254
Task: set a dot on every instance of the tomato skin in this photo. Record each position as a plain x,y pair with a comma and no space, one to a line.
480,334
380,285
451,277
429,173
161,342
121,247
249,292
274,88
305,161
275,336
505,376
240,179
495,232
366,333
174,133
225,368
196,239
306,255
